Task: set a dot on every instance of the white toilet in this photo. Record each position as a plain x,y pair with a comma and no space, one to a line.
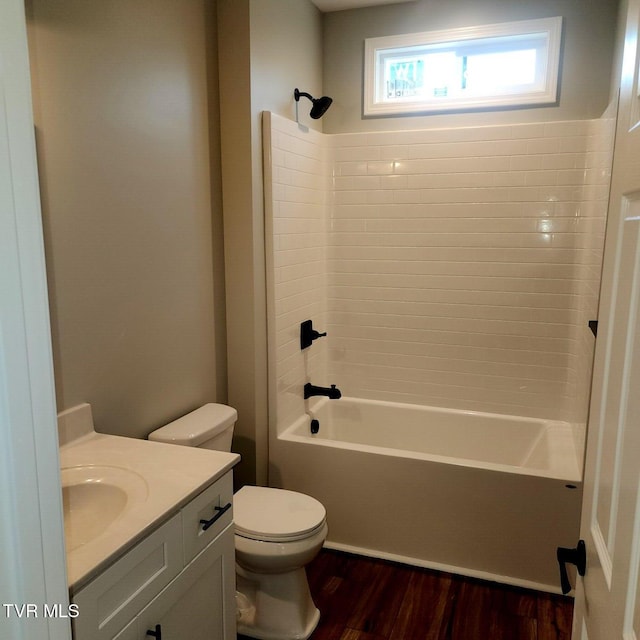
277,533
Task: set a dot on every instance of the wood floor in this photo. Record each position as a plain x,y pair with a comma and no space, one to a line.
366,599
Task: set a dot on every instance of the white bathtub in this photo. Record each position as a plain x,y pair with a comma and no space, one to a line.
484,495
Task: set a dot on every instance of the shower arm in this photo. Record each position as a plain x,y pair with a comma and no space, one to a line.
297,94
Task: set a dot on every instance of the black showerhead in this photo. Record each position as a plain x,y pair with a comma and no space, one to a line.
320,105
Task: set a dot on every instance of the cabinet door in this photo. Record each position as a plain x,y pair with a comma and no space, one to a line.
200,603
116,596
130,632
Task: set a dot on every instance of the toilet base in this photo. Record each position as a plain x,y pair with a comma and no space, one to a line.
275,606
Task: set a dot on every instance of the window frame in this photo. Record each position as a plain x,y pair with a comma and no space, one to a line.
376,50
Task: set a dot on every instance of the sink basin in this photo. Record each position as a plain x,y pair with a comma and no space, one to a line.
95,498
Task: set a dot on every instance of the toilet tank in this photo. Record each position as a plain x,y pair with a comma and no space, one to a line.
209,427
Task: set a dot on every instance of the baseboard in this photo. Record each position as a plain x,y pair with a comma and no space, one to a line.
437,566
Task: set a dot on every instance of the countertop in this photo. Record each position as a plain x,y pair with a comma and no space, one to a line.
173,475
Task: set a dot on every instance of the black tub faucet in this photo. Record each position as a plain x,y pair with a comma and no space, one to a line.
331,392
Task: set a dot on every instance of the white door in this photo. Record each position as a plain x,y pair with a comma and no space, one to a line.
32,561
607,598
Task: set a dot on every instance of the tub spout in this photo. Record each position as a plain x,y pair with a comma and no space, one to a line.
331,392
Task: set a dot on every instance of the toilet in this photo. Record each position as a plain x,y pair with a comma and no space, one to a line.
277,533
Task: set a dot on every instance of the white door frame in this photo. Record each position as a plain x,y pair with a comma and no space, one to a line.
607,597
32,553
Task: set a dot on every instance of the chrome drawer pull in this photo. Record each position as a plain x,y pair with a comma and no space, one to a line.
220,511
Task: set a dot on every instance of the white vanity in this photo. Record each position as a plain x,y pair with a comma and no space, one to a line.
149,536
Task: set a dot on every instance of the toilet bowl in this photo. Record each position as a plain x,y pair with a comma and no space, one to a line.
277,533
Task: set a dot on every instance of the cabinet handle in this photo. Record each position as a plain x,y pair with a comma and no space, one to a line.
157,634
220,511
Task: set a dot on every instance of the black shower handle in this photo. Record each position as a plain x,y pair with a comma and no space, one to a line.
308,334
577,556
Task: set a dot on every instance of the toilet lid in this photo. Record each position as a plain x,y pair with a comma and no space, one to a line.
263,513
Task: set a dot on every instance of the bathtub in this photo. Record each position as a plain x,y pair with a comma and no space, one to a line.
478,494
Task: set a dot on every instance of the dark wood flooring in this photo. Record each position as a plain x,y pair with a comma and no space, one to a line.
364,598
367,599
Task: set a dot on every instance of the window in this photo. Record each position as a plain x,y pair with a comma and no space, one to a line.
498,65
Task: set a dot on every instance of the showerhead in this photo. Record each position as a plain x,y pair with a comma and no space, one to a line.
319,105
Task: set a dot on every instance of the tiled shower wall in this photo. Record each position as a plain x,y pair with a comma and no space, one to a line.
457,259
594,206
461,265
297,191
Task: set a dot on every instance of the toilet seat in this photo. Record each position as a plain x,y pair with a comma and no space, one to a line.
276,515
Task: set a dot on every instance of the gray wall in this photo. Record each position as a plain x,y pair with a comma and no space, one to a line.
267,48
589,31
286,52
129,170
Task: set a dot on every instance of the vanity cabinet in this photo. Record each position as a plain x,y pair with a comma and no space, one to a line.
193,606
178,582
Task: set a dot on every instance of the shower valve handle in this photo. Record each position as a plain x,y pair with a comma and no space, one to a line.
577,556
308,334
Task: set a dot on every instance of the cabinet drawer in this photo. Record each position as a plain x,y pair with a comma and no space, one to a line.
109,602
213,505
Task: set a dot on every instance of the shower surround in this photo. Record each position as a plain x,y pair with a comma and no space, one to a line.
454,267
451,268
